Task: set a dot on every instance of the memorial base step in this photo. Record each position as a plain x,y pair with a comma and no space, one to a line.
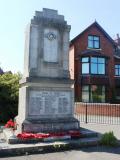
50,125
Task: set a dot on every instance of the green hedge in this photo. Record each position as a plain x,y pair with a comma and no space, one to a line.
9,86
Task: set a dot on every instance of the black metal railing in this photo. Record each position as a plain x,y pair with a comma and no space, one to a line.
97,113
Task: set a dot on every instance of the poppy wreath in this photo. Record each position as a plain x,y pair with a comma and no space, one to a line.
10,124
72,134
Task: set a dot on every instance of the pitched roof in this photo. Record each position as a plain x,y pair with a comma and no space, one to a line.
100,28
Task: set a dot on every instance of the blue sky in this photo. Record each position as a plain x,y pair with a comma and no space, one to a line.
16,14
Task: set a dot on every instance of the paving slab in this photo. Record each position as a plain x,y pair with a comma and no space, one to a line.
102,128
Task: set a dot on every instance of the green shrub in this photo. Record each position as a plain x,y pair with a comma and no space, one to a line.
109,139
9,86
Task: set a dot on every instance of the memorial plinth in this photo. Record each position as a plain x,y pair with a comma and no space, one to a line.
46,95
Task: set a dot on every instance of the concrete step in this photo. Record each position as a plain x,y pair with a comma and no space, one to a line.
12,139
22,149
88,133
88,138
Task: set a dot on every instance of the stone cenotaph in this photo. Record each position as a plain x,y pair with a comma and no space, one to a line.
46,94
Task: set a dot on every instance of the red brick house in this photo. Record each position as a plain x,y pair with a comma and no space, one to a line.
117,69
95,66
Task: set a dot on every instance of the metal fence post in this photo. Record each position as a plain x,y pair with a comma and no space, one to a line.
86,113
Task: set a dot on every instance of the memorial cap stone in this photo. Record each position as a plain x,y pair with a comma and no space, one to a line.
47,45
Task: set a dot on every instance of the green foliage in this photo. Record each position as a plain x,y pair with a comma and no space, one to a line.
9,86
109,139
78,99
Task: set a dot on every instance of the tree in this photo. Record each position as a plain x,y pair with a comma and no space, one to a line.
9,86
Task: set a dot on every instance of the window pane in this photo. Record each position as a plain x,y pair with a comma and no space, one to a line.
85,88
97,93
117,92
85,96
93,87
103,98
103,94
94,59
116,66
90,44
94,68
93,93
94,97
96,38
101,60
103,88
90,37
85,68
93,42
101,68
96,44
116,72
85,59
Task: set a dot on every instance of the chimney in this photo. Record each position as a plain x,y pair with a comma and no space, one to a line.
118,36
118,39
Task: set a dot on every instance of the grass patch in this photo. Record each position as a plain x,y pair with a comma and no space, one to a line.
109,139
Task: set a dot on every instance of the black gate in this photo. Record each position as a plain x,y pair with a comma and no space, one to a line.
97,113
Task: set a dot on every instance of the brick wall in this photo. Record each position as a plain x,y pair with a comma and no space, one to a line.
98,109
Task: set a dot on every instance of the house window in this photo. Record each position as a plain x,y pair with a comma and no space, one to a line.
117,70
93,93
117,92
97,65
94,42
85,93
93,65
85,65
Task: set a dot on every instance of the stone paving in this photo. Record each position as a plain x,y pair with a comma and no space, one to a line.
91,153
102,128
